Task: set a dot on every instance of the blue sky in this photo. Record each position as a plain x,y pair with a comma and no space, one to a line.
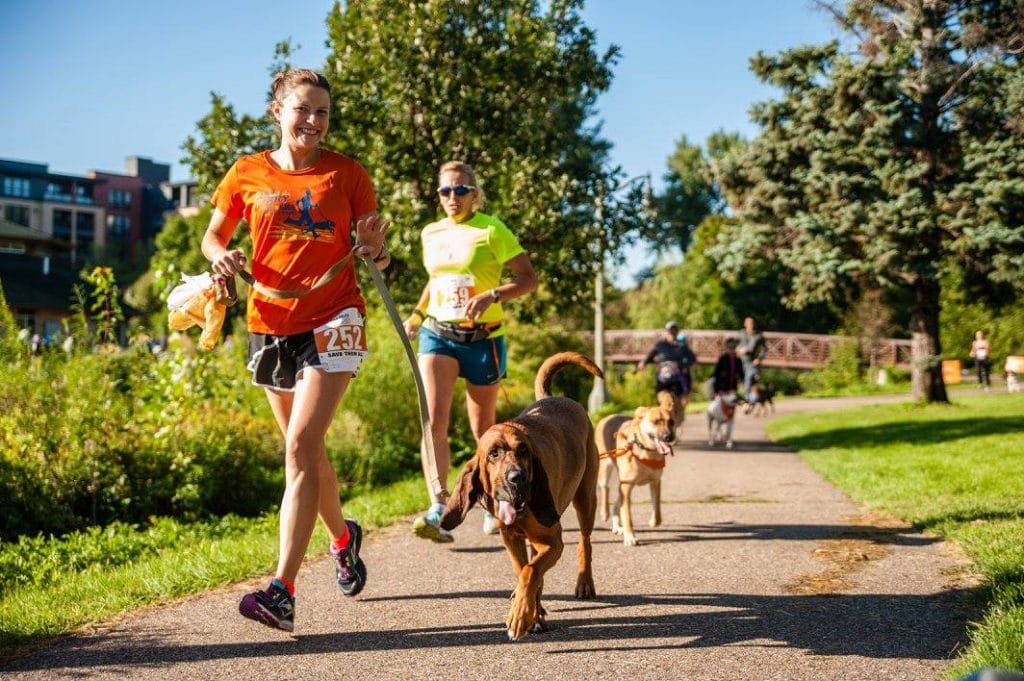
90,82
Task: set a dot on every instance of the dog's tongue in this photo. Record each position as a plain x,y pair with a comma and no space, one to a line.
664,448
506,513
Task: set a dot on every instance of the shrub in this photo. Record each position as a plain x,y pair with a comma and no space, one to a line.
842,370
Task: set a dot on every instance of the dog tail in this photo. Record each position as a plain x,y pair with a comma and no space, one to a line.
552,365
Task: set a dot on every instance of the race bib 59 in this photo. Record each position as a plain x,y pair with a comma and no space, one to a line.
450,294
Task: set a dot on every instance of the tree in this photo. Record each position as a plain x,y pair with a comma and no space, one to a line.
691,191
177,252
696,295
506,85
223,136
858,177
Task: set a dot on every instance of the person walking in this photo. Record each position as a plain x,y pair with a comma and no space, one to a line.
980,353
672,361
301,203
728,368
751,350
689,359
458,320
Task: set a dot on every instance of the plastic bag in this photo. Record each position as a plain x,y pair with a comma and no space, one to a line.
196,303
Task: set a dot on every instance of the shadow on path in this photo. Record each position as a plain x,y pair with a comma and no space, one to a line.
918,433
876,626
731,531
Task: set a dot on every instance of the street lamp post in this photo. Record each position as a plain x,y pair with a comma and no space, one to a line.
599,394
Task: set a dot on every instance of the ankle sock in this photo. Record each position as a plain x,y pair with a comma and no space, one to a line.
282,583
339,543
437,508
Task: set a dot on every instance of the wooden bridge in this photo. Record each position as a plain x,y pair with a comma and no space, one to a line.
790,350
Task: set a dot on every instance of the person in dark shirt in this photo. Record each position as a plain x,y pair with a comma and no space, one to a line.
724,381
672,367
672,361
728,369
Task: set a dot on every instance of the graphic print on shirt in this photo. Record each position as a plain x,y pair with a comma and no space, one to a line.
303,219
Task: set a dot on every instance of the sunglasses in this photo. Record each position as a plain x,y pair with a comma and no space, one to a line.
459,189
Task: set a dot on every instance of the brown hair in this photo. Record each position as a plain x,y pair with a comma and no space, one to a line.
466,169
286,81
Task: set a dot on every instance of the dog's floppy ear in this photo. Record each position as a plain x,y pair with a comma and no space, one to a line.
467,490
540,503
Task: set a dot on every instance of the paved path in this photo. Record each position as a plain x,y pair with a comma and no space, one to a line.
761,570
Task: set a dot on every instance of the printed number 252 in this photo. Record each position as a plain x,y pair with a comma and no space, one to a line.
348,337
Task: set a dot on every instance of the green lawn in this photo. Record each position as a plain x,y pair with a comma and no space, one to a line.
57,586
953,469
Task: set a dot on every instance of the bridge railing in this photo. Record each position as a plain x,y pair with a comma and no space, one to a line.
791,350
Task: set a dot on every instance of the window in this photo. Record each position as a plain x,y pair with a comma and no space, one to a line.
82,194
17,186
62,224
118,225
55,192
85,224
17,214
119,198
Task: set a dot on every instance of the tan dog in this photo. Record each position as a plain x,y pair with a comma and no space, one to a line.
636,449
526,472
676,405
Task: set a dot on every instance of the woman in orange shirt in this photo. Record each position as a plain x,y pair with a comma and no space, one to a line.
301,203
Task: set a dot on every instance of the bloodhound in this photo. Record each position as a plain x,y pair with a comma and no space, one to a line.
526,471
635,448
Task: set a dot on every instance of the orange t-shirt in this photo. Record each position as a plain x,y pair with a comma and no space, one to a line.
301,225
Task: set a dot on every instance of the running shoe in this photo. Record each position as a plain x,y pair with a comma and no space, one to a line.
351,570
429,527
273,607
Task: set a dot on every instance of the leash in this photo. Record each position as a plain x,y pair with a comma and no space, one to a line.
434,478
280,294
628,451
230,296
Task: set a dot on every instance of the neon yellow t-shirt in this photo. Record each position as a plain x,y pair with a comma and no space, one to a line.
464,259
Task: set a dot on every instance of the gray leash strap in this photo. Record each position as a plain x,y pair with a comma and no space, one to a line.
434,479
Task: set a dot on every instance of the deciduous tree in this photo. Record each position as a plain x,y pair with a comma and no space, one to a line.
506,85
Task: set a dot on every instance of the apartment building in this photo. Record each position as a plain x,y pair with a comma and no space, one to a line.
183,196
51,223
57,205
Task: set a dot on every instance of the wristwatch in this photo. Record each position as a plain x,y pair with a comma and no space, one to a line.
495,294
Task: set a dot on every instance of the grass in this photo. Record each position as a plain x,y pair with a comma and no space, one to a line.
74,595
952,469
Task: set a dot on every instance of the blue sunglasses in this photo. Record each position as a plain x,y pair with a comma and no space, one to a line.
459,189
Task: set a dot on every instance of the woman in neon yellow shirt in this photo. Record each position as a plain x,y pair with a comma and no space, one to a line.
459,318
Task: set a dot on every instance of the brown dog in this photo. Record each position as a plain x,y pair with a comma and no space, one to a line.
636,449
526,472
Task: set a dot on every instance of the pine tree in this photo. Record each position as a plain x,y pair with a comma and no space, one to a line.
885,167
